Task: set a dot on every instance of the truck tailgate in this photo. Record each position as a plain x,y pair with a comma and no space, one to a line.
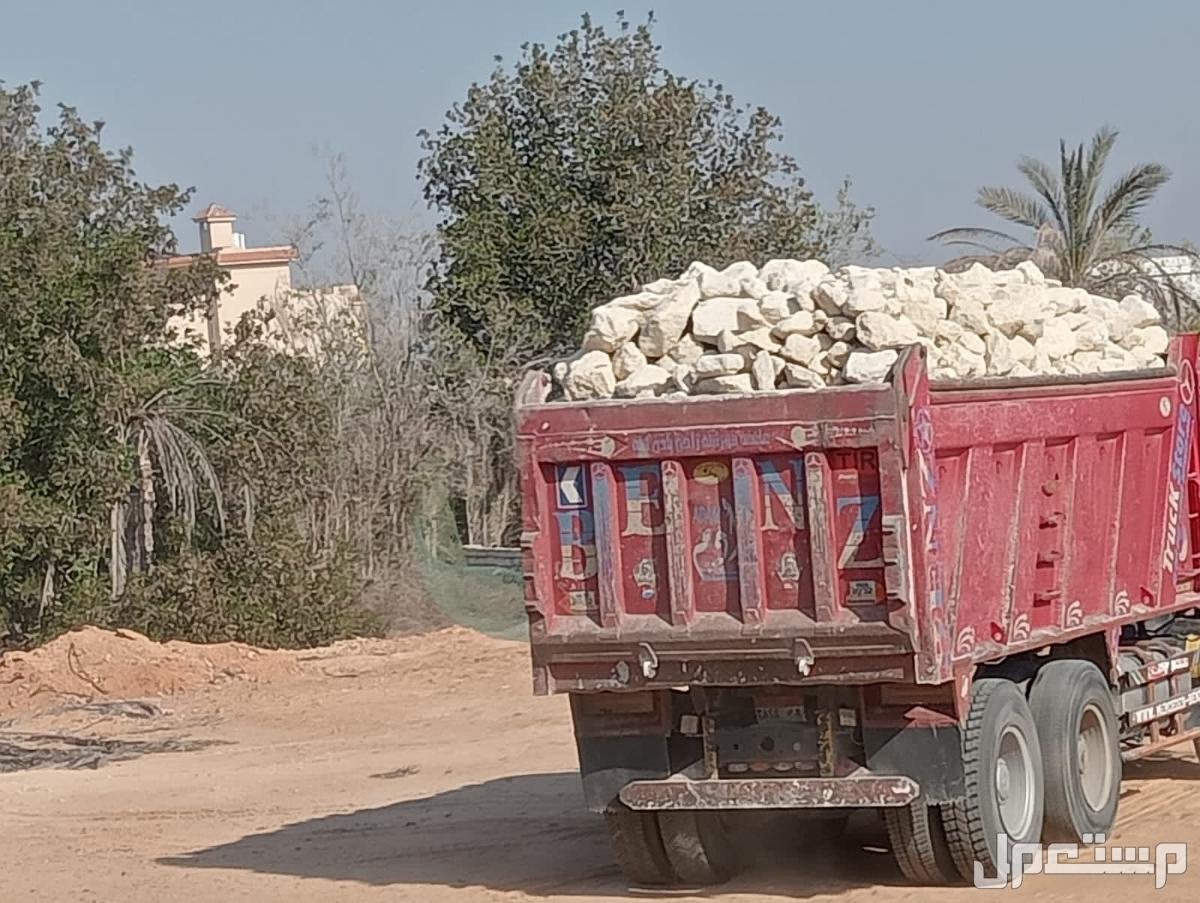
675,531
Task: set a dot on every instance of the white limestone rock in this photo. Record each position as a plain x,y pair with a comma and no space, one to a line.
777,306
1139,312
686,350
841,329
797,376
876,330
763,371
611,327
729,281
713,316
973,344
1091,336
760,338
835,355
830,295
666,323
590,376
1152,338
718,365
646,381
999,355
1030,272
1056,342
801,349
801,322
869,366
970,315
628,359
735,384
961,363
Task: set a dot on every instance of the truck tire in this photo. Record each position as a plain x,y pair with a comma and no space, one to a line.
1002,764
1072,703
637,846
919,844
698,847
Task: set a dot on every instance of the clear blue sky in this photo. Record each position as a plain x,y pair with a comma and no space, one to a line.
918,102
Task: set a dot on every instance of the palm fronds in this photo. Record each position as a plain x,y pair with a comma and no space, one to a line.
1082,236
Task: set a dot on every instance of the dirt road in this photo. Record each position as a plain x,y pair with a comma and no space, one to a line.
418,770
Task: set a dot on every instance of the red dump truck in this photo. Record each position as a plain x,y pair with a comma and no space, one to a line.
961,604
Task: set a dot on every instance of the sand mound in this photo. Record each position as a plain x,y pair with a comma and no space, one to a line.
93,663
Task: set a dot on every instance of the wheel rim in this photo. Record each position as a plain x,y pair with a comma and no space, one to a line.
1014,783
1095,758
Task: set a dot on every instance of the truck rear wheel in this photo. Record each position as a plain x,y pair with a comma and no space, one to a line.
638,847
1002,764
919,844
1072,703
698,846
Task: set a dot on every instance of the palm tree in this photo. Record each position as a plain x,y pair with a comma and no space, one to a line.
166,434
1081,236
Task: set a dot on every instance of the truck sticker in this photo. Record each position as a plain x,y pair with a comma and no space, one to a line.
1020,629
643,500
1073,615
788,570
864,507
713,553
572,486
863,591
646,578
927,468
698,442
1179,462
777,495
582,601
710,472
577,545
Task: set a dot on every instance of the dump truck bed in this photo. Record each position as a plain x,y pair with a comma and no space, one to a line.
882,533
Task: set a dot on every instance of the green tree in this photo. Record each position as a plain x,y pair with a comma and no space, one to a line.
84,311
1080,232
141,483
588,168
580,172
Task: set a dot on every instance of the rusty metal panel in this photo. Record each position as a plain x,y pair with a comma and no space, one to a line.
608,550
824,566
785,535
749,543
679,543
770,793
642,535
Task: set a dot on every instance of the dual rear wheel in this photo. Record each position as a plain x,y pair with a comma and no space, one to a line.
661,849
1043,768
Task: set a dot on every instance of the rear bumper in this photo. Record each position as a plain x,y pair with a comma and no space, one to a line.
771,793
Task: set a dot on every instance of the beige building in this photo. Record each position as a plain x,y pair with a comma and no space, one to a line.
260,278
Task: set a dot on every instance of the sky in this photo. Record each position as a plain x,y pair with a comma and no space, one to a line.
917,102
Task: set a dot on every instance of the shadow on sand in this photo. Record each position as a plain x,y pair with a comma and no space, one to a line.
529,833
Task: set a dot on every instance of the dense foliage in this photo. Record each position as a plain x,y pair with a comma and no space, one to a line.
570,177
140,483
587,168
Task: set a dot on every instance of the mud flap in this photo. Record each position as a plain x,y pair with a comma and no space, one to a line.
609,763
930,755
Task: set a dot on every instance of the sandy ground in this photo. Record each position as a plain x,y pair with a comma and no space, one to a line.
417,769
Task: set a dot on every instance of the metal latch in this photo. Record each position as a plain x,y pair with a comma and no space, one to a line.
648,659
802,654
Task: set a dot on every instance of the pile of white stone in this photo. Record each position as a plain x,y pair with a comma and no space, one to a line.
795,324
